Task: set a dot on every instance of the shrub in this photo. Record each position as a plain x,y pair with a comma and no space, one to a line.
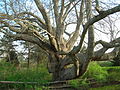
105,63
114,76
114,73
79,83
96,72
74,83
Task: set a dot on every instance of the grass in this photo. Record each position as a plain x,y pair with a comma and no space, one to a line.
112,67
113,87
96,72
105,63
114,73
99,74
76,83
9,73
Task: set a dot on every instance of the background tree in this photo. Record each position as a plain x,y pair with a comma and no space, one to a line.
8,50
116,60
65,61
109,27
33,53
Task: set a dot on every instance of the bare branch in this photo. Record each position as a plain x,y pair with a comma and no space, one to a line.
73,39
100,55
97,7
45,16
10,27
91,22
29,13
62,8
32,39
68,9
114,43
56,10
100,30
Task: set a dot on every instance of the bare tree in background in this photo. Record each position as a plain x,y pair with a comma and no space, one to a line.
65,59
7,49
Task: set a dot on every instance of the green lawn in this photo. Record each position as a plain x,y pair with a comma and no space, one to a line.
10,73
113,87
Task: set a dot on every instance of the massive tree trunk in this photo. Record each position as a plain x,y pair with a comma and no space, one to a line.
64,67
67,67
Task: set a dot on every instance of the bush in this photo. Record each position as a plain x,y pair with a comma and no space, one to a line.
105,63
74,83
114,73
114,76
96,72
79,83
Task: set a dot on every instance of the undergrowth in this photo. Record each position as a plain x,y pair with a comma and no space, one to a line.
10,73
40,75
96,72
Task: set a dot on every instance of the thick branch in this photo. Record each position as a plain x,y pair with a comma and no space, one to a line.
10,27
73,39
45,15
17,18
100,55
56,10
62,8
59,20
114,43
91,22
90,48
69,9
32,39
47,21
102,15
29,13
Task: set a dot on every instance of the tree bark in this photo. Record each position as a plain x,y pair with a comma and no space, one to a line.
65,67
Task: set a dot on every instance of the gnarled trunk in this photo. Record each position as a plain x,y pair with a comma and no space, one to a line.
66,67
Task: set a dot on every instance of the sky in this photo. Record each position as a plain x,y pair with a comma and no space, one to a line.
102,36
